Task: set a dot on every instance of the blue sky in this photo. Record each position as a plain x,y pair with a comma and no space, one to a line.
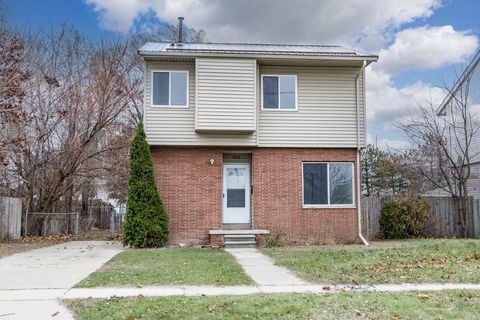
462,14
419,41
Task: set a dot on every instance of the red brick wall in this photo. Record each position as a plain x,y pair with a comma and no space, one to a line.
216,241
191,188
277,178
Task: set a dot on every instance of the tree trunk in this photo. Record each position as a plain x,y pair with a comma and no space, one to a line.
463,208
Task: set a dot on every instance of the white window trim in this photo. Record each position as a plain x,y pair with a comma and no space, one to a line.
317,206
170,89
279,96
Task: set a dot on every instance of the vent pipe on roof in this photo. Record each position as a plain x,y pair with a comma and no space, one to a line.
180,29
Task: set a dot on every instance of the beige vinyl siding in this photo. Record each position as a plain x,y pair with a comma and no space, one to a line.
363,111
225,94
326,113
176,126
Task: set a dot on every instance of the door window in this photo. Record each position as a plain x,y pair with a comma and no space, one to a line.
236,187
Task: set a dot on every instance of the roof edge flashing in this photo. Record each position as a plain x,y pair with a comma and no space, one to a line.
369,59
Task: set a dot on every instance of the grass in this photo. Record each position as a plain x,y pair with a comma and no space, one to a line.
169,266
344,305
411,261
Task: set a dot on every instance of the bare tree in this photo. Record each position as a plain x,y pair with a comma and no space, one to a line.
77,95
385,172
189,34
75,105
118,164
445,145
12,74
12,69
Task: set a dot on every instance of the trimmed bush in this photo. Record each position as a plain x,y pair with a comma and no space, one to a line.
404,218
392,222
146,223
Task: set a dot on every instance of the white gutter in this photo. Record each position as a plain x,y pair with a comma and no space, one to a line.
359,183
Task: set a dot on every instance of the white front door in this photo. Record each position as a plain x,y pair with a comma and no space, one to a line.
236,193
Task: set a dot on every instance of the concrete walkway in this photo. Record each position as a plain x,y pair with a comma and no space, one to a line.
262,269
30,282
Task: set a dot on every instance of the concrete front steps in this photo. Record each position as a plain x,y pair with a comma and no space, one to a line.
235,238
239,241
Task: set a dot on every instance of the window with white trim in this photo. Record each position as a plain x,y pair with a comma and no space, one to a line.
328,184
169,88
279,92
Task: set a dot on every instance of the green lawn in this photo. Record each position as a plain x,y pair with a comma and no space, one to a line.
411,261
345,305
169,266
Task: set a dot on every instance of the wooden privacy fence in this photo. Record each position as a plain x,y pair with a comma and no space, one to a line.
10,218
46,224
444,221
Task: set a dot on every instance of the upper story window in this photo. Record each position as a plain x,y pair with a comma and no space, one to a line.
328,184
170,89
279,92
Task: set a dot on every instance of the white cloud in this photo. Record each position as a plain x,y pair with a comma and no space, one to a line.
415,48
307,21
387,103
426,48
389,144
118,16
389,106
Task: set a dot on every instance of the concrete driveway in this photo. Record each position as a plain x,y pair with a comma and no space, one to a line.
24,277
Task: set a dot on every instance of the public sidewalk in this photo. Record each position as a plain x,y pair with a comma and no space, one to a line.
40,295
82,293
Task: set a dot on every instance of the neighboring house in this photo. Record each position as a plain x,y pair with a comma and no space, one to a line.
248,139
467,90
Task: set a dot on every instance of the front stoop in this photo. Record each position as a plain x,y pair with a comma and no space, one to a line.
235,238
239,241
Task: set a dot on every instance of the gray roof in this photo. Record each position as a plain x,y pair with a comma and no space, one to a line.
168,48
458,84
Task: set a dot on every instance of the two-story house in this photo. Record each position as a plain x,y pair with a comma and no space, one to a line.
248,139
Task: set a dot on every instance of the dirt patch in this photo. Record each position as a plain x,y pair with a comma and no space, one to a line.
95,234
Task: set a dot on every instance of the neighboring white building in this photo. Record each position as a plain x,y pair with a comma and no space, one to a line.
467,88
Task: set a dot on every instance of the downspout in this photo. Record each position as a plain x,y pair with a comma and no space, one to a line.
359,183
